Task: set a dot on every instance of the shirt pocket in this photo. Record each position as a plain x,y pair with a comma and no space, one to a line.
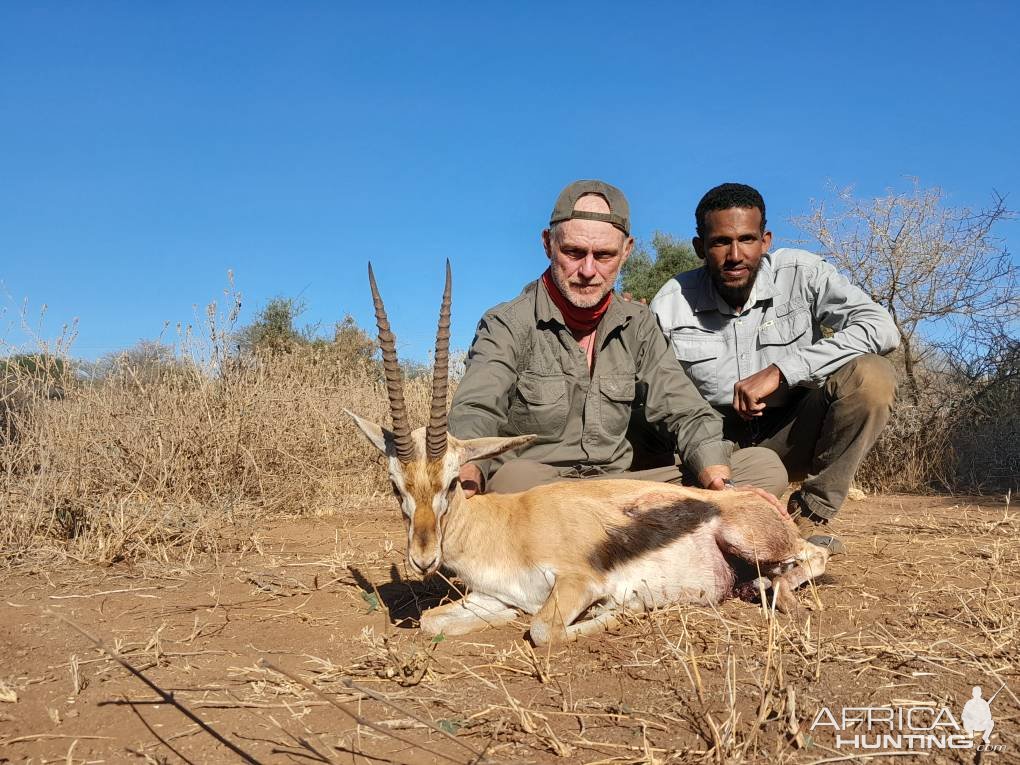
539,406
789,323
699,353
617,397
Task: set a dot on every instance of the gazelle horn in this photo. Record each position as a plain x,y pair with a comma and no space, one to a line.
435,433
394,379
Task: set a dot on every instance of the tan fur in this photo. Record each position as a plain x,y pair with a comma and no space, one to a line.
534,551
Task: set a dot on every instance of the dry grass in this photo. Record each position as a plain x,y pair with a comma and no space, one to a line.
161,460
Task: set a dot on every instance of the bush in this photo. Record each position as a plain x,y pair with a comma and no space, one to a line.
962,433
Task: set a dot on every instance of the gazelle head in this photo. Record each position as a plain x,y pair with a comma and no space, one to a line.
424,464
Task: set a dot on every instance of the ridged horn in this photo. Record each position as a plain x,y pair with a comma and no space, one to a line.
394,379
435,433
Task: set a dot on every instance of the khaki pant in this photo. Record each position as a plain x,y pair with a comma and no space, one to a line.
751,467
823,437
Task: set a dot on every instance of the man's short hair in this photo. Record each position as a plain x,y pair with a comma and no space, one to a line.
726,196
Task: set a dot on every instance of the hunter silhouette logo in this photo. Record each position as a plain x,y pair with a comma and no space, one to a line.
977,714
913,727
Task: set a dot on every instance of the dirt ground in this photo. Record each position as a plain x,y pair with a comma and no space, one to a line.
923,608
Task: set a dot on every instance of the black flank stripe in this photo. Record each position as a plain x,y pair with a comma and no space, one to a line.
652,528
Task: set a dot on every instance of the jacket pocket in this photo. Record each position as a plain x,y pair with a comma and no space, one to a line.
539,406
787,324
699,354
615,405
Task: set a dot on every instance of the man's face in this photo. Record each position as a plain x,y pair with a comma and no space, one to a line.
732,249
586,255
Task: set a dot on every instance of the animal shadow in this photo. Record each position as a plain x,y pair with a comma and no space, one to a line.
406,599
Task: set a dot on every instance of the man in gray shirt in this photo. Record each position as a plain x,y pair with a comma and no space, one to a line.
747,328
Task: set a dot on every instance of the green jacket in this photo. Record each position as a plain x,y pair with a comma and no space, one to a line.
527,374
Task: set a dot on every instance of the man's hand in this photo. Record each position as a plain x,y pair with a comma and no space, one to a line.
629,297
470,479
749,394
713,476
768,497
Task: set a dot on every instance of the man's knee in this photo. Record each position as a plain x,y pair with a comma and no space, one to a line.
872,377
761,467
519,475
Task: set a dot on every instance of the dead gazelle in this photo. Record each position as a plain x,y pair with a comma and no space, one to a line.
556,550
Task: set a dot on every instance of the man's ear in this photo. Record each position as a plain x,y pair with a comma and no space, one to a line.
699,246
474,449
766,240
547,242
628,248
378,436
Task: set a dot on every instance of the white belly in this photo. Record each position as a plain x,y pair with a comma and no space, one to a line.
690,570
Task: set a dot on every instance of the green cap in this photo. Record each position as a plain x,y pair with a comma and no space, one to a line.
619,210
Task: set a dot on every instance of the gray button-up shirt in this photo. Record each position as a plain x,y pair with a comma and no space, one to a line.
795,294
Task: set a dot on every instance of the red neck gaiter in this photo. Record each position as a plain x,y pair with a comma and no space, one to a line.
578,320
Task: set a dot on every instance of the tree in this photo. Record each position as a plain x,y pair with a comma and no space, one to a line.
945,278
352,346
146,361
644,273
274,330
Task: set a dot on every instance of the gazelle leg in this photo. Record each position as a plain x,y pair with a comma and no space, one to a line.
569,598
471,613
810,564
597,624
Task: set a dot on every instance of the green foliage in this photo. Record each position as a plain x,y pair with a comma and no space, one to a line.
274,330
371,600
38,366
646,271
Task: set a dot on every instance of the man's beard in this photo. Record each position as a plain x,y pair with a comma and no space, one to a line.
735,297
576,300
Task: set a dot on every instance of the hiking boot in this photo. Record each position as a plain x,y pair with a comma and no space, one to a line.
812,527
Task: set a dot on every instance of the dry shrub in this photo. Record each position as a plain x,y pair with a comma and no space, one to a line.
914,452
987,441
960,435
154,455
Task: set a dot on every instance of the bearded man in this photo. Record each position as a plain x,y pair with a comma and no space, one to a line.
563,360
747,328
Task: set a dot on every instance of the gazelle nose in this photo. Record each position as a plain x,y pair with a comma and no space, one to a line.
423,567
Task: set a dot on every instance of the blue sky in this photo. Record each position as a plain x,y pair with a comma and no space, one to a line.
148,148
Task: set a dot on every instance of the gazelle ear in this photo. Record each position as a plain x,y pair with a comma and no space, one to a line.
481,448
381,439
